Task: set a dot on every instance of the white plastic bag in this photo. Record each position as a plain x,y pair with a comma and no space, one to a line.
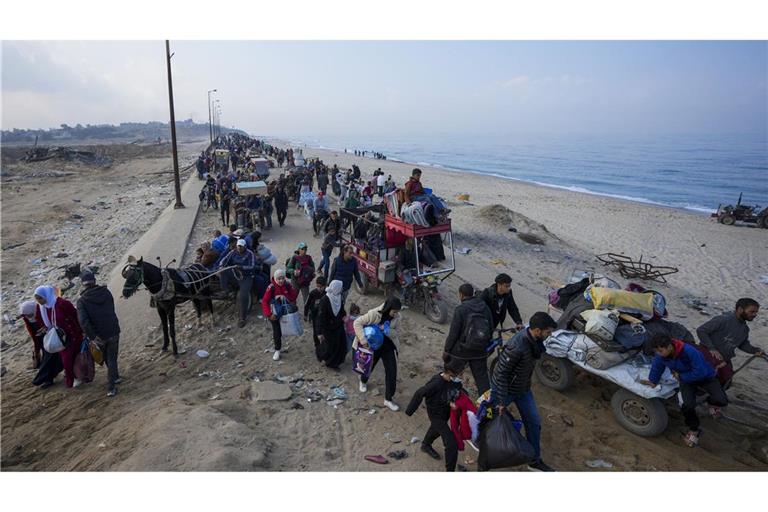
601,324
290,324
52,343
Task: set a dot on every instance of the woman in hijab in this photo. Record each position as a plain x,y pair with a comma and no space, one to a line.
330,326
279,288
27,311
387,312
53,311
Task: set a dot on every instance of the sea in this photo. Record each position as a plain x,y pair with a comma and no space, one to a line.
691,172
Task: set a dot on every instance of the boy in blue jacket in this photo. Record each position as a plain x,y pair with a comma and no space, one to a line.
693,372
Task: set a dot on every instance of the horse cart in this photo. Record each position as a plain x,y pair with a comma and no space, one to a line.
169,287
382,245
221,159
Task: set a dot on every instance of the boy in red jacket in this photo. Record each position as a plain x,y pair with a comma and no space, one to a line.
278,288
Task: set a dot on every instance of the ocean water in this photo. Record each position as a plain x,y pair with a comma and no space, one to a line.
692,172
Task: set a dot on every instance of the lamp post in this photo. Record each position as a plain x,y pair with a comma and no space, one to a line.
176,181
210,125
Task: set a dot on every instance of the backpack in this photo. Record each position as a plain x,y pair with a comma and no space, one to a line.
306,272
477,333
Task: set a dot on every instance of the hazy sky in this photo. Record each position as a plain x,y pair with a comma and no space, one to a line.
390,88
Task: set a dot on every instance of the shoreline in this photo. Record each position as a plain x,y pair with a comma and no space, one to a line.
695,211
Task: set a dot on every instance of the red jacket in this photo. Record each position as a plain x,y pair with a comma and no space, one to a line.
37,340
273,290
66,319
459,420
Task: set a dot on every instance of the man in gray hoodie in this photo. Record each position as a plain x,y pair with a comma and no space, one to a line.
96,313
723,334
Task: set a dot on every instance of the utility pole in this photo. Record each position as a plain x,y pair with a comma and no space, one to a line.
210,122
176,180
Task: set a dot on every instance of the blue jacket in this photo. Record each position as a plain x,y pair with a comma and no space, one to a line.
688,362
247,260
344,271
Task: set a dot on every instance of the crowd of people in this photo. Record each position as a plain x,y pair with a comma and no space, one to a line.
249,271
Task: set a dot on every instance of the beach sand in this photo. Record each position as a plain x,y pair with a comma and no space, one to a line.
202,414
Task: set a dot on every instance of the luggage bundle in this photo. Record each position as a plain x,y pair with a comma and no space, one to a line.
612,324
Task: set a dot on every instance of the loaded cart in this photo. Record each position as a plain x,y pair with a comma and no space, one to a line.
389,253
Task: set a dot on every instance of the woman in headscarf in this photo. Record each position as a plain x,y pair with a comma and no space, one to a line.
53,311
330,326
387,312
27,311
279,288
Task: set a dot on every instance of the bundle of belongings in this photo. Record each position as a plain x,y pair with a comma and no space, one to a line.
610,325
424,210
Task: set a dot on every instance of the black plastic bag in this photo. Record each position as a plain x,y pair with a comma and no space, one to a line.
501,445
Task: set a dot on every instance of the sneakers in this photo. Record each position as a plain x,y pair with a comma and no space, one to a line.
716,412
112,392
118,380
241,324
363,387
276,355
76,383
430,451
392,405
538,465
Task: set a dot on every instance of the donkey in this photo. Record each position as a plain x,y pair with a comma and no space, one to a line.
188,283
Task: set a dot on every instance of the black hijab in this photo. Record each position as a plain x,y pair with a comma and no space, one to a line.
386,310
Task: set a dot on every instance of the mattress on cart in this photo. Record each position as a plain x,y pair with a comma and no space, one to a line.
576,347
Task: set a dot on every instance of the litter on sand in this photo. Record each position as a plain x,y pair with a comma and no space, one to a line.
464,250
202,354
378,459
398,455
598,464
337,393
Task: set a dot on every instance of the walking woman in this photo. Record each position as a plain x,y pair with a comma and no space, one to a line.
53,311
387,312
279,288
330,326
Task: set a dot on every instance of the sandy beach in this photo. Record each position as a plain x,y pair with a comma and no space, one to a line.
204,414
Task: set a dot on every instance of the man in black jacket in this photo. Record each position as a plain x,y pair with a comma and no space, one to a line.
511,379
499,299
96,313
281,205
471,330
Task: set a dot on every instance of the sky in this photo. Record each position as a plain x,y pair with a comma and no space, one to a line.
390,88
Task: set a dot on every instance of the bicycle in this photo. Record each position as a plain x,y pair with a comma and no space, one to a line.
497,344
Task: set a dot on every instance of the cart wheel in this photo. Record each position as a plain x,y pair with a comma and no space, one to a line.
641,416
555,372
365,288
436,310
728,220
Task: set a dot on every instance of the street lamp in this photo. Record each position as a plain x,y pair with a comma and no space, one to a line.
210,125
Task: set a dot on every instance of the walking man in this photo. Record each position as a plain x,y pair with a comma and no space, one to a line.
96,313
471,331
511,379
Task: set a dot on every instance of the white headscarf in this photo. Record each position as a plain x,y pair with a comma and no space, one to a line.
334,295
27,308
49,294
